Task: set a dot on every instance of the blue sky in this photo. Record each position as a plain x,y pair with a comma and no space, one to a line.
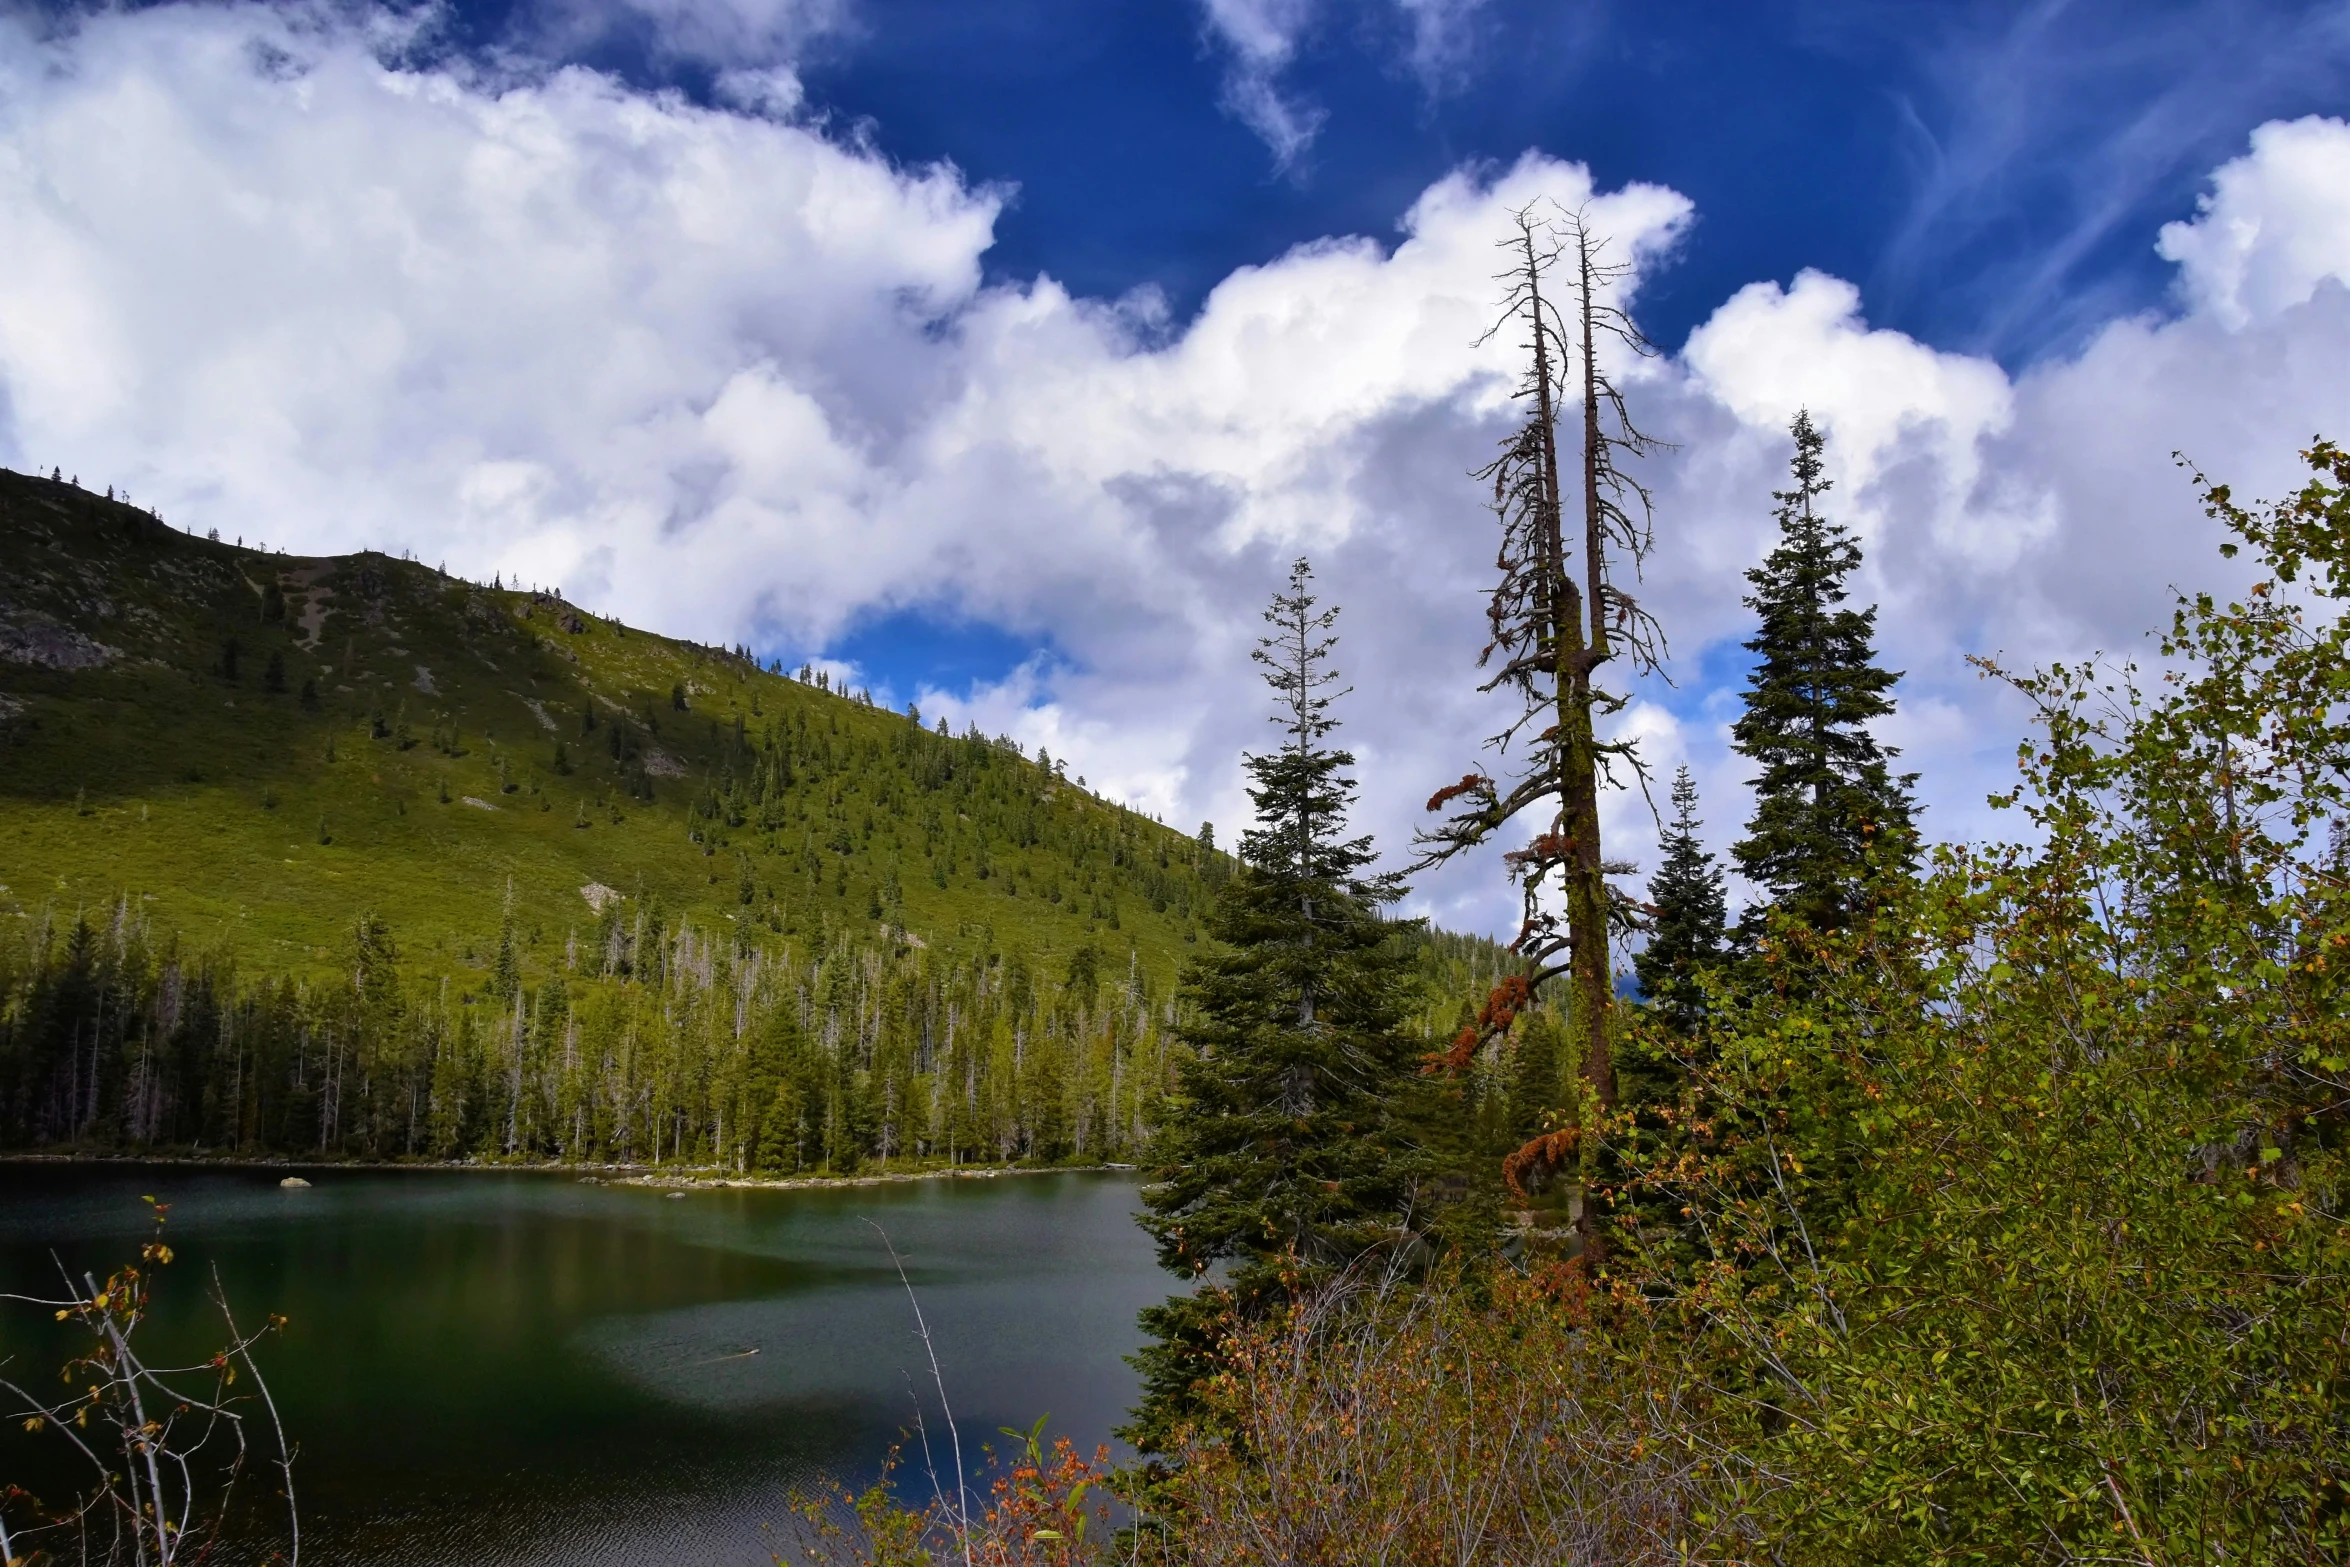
1003,355
1987,172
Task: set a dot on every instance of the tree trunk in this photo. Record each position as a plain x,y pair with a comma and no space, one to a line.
1587,886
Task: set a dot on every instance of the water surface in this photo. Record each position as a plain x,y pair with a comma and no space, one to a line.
518,1370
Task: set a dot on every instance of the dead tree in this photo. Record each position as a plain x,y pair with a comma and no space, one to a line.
1558,614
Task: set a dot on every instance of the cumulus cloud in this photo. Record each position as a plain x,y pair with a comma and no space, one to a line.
2275,225
720,373
557,327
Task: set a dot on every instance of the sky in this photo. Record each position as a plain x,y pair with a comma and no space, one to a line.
1000,357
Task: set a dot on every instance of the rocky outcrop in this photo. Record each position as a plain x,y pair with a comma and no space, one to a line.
29,637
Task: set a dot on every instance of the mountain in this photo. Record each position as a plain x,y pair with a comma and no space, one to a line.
347,858
258,747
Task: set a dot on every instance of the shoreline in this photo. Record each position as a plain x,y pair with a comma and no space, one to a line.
706,1179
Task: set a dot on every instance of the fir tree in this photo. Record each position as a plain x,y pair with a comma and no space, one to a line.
1272,1161
779,1129
1688,913
506,966
1824,799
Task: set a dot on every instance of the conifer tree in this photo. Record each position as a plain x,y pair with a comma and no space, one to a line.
506,966
1824,798
1272,1159
1687,916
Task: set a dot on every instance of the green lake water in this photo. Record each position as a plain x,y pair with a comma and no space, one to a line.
518,1370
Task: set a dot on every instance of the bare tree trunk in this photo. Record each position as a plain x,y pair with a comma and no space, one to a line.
1586,880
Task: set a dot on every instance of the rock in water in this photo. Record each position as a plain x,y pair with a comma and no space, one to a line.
293,1181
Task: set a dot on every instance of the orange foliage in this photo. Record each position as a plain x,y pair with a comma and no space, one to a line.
1440,1425
1470,783
1048,1507
1039,1517
1544,1155
1501,1009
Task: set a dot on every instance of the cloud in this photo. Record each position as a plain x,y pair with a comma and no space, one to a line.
2036,516
2275,225
724,374
750,35
1443,34
1262,39
252,269
1770,351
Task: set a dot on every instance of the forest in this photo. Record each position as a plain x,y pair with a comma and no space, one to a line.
654,1043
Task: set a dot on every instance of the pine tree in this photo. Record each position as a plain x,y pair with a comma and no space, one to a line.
1272,1161
1825,801
1687,918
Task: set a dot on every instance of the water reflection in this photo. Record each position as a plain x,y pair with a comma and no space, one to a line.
521,1369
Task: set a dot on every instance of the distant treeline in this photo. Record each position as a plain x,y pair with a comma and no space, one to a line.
662,1043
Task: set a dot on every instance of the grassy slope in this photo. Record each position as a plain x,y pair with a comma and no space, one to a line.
248,820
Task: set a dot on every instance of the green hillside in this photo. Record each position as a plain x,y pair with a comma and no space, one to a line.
347,858
256,747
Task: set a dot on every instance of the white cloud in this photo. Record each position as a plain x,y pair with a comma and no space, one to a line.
557,326
747,36
2099,108
720,374
1262,39
2275,225
1442,35
2037,516
1881,397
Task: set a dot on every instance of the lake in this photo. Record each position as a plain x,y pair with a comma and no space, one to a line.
520,1370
